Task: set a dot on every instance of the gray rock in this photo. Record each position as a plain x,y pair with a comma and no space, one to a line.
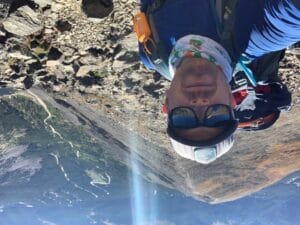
2,33
60,75
70,60
14,43
52,64
18,55
129,42
59,87
67,51
119,65
68,69
84,70
40,73
31,61
43,3
23,22
93,89
4,9
82,52
88,60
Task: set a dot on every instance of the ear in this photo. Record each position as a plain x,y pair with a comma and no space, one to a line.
164,108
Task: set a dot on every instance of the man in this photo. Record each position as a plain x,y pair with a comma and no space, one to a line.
202,58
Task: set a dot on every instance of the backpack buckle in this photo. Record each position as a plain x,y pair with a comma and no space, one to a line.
141,27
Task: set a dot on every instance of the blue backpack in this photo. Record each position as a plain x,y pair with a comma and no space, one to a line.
258,107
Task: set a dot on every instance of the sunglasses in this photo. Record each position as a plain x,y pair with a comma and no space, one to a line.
215,116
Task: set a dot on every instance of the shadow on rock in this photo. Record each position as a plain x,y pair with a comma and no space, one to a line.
15,4
97,8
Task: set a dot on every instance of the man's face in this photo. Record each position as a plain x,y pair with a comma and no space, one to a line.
198,83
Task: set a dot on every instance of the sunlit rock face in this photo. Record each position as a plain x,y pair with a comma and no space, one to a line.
257,160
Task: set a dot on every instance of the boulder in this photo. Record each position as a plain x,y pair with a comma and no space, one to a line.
23,22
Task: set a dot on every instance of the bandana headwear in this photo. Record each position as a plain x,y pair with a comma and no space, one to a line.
200,47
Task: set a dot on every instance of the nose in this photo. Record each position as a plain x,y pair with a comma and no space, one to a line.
199,101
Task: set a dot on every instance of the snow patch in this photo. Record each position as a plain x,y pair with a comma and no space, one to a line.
294,180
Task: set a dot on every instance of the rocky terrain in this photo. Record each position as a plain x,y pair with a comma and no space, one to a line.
60,47
57,46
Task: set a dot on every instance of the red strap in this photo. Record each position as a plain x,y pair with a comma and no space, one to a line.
258,122
239,96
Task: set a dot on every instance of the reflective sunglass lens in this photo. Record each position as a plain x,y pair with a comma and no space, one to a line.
183,118
217,114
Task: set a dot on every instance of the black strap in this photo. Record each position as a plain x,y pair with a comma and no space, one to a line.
155,6
224,13
158,56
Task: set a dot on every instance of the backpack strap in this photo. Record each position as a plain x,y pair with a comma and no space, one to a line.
151,8
156,50
224,14
158,54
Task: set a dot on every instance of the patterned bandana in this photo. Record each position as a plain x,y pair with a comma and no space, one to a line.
200,47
